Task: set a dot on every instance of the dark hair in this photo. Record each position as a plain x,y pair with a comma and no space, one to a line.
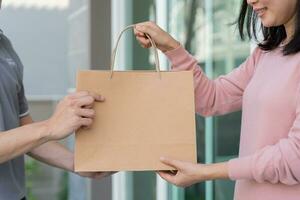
272,36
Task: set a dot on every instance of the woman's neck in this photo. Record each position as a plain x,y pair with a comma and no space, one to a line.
289,29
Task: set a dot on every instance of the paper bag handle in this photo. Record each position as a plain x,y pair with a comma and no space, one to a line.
113,57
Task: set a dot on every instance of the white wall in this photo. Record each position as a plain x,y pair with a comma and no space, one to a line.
40,38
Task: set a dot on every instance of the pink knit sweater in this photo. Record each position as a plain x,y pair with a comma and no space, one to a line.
266,88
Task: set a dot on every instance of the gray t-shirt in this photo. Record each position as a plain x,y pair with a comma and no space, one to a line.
13,106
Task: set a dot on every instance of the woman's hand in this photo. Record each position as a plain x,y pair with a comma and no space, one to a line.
189,173
162,39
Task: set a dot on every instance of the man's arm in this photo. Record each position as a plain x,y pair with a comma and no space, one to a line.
55,154
71,113
52,153
12,146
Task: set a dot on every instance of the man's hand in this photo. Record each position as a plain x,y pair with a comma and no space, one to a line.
74,111
95,175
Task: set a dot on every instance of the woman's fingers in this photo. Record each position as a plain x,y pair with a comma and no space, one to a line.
145,27
142,39
162,39
144,42
139,33
167,176
177,164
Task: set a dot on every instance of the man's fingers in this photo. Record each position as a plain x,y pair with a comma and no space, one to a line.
97,97
78,94
88,101
88,113
95,175
81,94
86,122
100,175
84,101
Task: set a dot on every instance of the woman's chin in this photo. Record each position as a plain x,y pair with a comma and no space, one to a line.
268,24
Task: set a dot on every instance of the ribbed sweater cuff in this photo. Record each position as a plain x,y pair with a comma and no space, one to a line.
240,168
177,56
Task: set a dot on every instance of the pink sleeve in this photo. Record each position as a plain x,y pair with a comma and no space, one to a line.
215,97
278,163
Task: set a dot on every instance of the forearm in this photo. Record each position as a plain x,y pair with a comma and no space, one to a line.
21,140
55,154
219,96
52,153
215,171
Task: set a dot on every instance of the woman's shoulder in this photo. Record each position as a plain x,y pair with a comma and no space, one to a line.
256,54
277,53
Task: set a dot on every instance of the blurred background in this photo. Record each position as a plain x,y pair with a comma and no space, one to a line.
55,38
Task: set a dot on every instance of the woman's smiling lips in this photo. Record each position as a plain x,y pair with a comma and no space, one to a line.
260,11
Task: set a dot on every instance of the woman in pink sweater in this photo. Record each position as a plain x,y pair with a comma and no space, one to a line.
266,88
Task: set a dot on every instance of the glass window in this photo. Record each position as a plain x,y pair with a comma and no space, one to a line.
142,182
188,24
38,31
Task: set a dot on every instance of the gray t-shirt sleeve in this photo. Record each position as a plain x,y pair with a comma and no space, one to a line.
22,101
13,106
23,104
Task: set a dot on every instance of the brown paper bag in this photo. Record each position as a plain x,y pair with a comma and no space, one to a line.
146,115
